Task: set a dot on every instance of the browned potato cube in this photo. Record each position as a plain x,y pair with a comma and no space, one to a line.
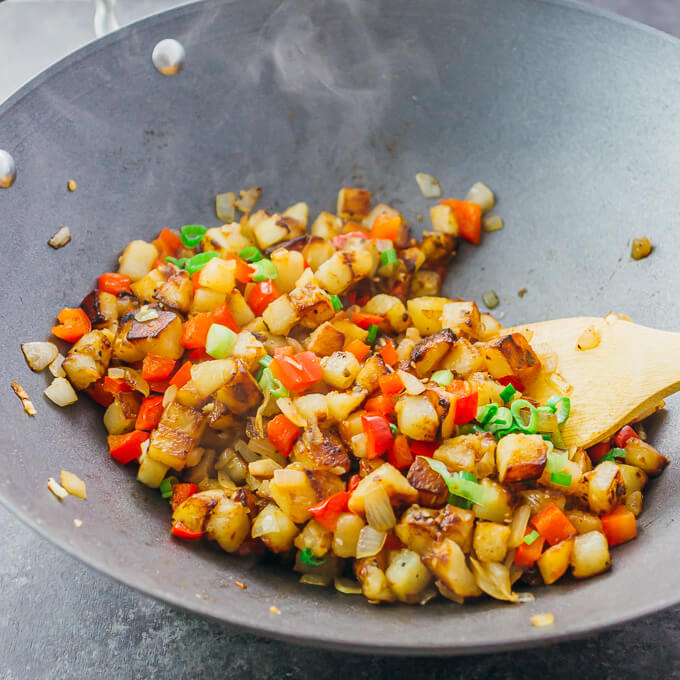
430,485
554,562
511,355
605,487
418,528
176,435
446,561
645,456
444,403
431,350
312,304
374,583
472,453
490,541
317,251
326,226
321,450
438,247
462,317
463,358
370,372
417,418
240,392
121,415
177,292
325,340
457,524
521,457
353,203
394,483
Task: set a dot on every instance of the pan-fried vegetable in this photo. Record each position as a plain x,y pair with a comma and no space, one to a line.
318,398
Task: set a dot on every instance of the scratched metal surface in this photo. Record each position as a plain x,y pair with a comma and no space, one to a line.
60,619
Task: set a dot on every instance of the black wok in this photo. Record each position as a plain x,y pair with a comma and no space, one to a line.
570,115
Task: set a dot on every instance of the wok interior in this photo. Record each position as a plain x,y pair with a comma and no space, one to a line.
540,101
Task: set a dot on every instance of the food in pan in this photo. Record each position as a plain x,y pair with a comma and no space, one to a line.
313,396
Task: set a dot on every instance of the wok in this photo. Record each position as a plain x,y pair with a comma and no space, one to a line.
569,114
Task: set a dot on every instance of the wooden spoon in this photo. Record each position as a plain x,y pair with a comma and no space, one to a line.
627,375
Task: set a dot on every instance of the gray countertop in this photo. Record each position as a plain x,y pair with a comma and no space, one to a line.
59,619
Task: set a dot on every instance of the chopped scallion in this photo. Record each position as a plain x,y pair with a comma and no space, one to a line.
560,478
166,486
613,454
388,257
268,382
197,262
508,393
372,336
502,420
308,558
266,360
178,263
557,461
443,378
530,538
265,270
517,407
486,413
561,406
336,302
220,341
460,485
251,254
393,427
192,234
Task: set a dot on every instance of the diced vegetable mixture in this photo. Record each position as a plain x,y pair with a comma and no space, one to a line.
311,394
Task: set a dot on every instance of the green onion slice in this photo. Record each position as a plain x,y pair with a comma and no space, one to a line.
443,378
613,454
308,558
268,382
502,420
560,478
266,360
461,486
178,263
197,262
516,408
264,270
486,413
372,336
556,438
393,427
561,406
220,341
388,256
557,461
251,254
508,393
530,538
192,234
166,486
336,302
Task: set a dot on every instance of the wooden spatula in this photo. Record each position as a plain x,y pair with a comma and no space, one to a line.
626,375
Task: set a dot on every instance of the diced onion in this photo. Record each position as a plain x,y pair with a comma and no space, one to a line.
347,586
379,512
270,523
169,395
226,482
446,592
541,620
412,385
519,524
429,185
247,454
316,579
428,595
525,598
73,484
494,579
559,383
492,223
370,542
132,378
56,368
58,490
39,355
589,339
61,392
262,446
480,194
61,238
288,409
263,468
146,313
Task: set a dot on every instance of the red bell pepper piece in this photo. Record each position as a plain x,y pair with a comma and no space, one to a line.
282,433
466,401
180,492
426,449
469,218
400,456
243,270
381,404
296,373
99,394
390,383
198,355
115,385
619,525
150,413
113,283
159,386
262,294
222,315
353,483
599,451
286,351
156,367
623,435
181,530
392,542
195,280
389,353
358,348
182,376
386,227
511,380
553,524
365,320
328,511
526,555
126,447
170,239
379,437
73,324
195,330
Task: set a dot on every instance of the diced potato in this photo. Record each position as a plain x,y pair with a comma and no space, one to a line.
521,457
350,330
177,433
444,219
645,456
425,283
151,473
249,350
370,372
488,391
490,541
446,561
312,304
177,292
341,404
228,524
605,487
240,392
146,288
326,226
538,499
312,407
346,534
239,308
316,538
392,308
208,376
374,584
343,269
418,528
269,231
427,354
195,511
160,336
426,313
88,359
576,486
205,300
413,259
351,426
100,307
583,521
340,369
459,453
462,317
417,418
137,259
273,527
554,562
444,404
463,358
457,524
394,483
590,554
438,247
353,202
218,274
407,576
317,251
121,415
325,340
499,508
634,478
298,212
229,238
280,315
511,355
431,487
290,265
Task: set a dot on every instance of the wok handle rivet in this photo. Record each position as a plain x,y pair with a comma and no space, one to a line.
8,170
168,56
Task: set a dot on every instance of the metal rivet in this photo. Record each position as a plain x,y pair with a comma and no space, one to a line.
168,56
8,170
